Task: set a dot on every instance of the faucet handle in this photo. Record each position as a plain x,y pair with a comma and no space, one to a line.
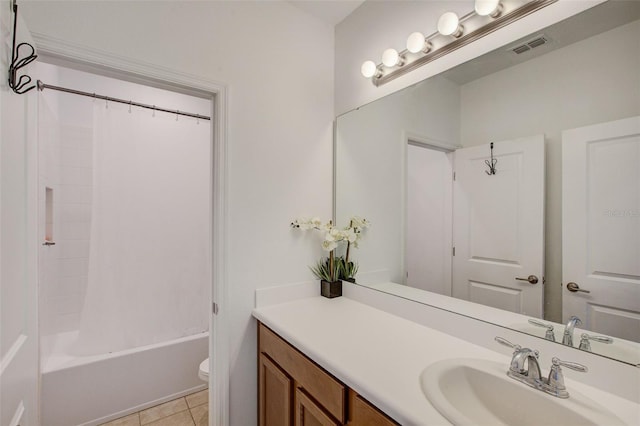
556,362
549,334
584,341
505,342
555,382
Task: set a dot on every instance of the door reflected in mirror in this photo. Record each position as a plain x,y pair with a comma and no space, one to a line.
569,212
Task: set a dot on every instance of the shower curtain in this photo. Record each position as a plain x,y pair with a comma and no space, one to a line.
149,278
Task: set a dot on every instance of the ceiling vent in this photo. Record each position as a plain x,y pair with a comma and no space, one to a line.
531,44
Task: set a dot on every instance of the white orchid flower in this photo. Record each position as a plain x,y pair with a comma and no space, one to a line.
316,222
350,235
359,222
329,245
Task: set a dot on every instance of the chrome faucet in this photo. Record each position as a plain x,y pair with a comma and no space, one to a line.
530,376
567,337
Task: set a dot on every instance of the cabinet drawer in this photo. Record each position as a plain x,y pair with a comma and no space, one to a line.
328,391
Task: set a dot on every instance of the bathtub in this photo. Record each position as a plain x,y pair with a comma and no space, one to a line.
90,390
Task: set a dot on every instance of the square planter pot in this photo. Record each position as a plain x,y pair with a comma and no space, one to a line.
331,289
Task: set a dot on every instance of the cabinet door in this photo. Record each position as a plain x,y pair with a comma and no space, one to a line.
308,413
365,414
274,394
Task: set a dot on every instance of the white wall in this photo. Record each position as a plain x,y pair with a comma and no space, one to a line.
378,25
376,135
18,263
592,81
278,64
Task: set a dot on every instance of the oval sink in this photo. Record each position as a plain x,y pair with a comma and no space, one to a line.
479,392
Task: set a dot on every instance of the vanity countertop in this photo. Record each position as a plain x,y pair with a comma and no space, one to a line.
381,356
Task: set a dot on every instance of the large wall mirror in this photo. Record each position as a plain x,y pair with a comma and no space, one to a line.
508,188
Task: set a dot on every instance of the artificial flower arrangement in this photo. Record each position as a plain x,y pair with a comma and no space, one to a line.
335,268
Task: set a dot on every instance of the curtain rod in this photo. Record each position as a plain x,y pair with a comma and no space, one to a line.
42,86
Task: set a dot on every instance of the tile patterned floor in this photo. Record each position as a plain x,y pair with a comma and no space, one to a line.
191,410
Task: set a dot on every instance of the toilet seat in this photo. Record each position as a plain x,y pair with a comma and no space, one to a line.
203,371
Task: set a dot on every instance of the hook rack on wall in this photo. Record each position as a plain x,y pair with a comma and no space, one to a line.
18,84
491,163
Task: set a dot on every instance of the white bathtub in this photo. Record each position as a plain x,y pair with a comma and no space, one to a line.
95,389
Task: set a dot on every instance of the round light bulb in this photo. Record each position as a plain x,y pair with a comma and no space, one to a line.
488,7
368,69
415,42
449,24
390,57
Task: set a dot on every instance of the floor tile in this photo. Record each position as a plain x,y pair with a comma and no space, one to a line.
182,418
130,420
198,398
163,410
200,415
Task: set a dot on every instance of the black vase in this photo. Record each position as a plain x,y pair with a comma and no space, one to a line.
331,289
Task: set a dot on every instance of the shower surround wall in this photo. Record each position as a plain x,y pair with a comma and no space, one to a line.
66,168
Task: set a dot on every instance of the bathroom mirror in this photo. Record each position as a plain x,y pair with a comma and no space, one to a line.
580,72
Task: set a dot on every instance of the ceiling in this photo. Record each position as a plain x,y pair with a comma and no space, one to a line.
330,11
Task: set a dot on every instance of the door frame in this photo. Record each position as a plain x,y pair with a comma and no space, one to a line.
82,58
415,139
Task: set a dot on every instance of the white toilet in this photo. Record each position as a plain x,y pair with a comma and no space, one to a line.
203,371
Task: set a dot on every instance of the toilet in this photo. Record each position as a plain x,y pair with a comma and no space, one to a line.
203,371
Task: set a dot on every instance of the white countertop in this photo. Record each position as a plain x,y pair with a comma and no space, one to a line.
381,356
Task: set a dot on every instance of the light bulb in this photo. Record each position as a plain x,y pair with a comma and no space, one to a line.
488,8
416,43
390,57
368,69
449,24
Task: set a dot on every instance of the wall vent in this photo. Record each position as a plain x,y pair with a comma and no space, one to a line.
531,44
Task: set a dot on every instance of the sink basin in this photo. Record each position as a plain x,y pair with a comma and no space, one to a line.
478,392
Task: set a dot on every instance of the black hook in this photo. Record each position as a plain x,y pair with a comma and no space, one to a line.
492,164
18,84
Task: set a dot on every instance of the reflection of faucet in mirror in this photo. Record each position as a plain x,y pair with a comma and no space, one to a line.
586,346
549,334
567,338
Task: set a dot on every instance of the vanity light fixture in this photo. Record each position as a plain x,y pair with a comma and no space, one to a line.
391,58
491,8
369,69
449,25
417,42
453,33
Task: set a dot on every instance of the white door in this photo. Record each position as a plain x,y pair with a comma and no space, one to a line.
499,226
429,203
601,226
18,233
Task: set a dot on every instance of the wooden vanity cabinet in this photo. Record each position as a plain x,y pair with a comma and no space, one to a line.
294,391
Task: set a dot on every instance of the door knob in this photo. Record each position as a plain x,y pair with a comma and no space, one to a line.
573,287
531,278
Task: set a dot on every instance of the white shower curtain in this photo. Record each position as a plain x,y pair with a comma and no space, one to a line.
149,250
